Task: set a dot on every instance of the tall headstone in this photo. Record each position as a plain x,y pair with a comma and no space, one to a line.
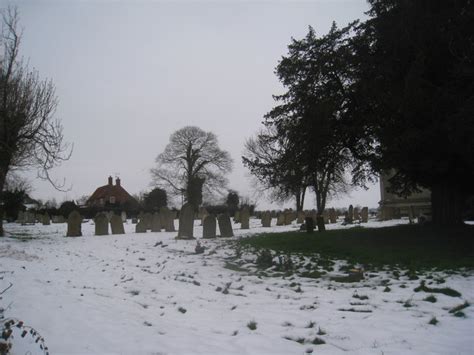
74,224
309,223
237,217
300,217
156,222
288,217
101,224
167,219
116,225
281,219
225,226
148,220
332,215
209,227
364,215
186,222
356,214
266,219
326,216
245,218
202,214
45,219
350,214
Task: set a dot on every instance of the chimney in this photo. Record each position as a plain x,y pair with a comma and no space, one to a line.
110,180
117,181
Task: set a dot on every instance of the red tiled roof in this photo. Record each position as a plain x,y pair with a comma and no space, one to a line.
107,191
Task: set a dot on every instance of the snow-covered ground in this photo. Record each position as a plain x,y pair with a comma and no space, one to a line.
150,293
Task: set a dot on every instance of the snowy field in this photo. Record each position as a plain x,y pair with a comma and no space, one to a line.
149,293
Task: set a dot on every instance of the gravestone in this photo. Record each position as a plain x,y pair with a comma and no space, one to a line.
167,219
350,214
209,227
309,224
202,215
186,222
364,215
156,222
140,227
101,224
148,220
21,217
356,214
74,224
237,217
300,217
116,225
225,226
281,219
266,219
332,215
45,219
28,218
245,218
288,217
326,216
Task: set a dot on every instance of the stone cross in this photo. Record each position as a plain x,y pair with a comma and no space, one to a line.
186,222
74,224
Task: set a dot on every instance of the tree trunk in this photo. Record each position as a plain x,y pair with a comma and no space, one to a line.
3,175
447,205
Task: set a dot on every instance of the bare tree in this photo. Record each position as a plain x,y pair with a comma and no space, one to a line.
29,134
192,161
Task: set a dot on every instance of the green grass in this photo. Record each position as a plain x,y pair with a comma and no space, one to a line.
410,246
252,325
445,290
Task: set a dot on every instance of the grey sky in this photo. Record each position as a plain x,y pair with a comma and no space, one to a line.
128,74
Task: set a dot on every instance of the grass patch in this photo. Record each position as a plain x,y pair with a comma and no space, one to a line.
445,290
410,246
355,310
252,325
433,321
459,307
182,310
318,341
387,289
430,298
356,277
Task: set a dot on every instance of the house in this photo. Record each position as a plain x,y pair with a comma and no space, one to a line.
394,206
112,196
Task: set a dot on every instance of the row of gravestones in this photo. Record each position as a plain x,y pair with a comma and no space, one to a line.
101,220
186,224
354,214
156,222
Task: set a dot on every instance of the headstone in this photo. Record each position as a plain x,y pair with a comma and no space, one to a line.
74,224
288,217
156,222
140,227
167,219
21,217
332,215
209,227
225,226
309,223
116,225
356,214
266,219
326,216
237,217
186,222
245,218
124,216
148,220
350,214
300,217
202,214
101,224
364,215
28,218
281,219
45,219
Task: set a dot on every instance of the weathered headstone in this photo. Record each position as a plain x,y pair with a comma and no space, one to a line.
225,226
45,219
148,220
140,227
332,215
364,215
74,224
186,222
101,224
281,219
356,214
326,216
116,225
156,223
309,223
350,214
167,219
245,218
300,217
266,219
237,217
288,217
209,227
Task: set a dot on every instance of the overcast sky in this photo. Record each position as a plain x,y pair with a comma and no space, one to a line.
128,74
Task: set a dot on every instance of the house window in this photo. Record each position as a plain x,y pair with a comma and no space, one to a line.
112,199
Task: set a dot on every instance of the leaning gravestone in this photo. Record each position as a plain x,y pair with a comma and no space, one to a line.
245,218
45,219
225,226
266,219
74,224
156,222
186,222
140,227
116,225
209,227
101,224
364,215
167,219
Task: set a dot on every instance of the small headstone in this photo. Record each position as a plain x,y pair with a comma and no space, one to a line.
326,216
148,220
116,225
45,219
101,224
245,218
74,224
186,222
309,223
167,219
209,227
281,219
225,226
156,222
237,217
364,215
140,227
266,219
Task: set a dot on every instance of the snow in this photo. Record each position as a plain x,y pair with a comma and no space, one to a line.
149,293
